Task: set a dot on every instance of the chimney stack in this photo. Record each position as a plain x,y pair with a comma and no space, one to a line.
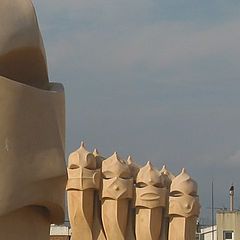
231,194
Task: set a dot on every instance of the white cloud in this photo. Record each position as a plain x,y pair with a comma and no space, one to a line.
113,37
151,48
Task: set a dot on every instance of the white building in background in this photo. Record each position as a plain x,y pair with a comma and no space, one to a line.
207,233
227,227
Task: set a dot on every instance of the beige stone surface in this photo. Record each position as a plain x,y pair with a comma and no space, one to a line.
83,179
117,190
167,178
134,168
32,126
17,226
135,202
98,232
184,207
22,55
149,202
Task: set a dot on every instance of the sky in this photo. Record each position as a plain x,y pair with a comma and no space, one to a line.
158,80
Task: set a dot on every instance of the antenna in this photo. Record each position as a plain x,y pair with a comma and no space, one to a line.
212,212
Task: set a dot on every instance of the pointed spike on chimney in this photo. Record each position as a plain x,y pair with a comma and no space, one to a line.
129,159
184,170
164,169
115,154
95,151
82,144
149,164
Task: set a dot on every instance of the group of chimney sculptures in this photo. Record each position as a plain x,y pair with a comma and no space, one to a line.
110,198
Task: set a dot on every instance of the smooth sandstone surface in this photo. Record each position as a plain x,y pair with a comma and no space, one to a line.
32,129
117,191
22,54
184,207
32,152
83,179
35,222
150,200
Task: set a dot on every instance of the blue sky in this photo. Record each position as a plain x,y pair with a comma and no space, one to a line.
155,79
